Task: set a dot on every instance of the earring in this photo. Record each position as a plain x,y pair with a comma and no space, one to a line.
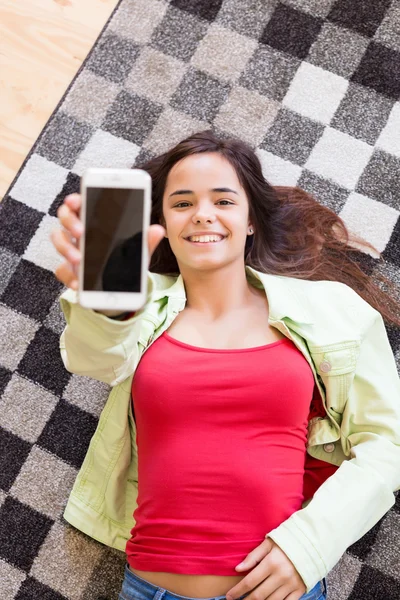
251,230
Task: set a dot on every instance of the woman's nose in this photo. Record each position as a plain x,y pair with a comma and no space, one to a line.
203,215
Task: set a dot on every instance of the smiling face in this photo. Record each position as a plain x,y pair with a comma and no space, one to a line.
203,195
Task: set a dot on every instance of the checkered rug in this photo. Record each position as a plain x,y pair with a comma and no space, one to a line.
313,85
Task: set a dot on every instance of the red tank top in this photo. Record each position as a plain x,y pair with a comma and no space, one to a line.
221,437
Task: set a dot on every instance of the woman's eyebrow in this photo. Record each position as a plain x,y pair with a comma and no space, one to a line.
221,189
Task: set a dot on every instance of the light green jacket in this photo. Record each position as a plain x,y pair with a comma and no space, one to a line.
345,342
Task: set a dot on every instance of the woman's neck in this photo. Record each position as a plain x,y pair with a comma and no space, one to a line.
218,293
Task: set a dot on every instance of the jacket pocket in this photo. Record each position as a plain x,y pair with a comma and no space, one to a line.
335,365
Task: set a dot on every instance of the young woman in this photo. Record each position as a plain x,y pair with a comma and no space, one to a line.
262,425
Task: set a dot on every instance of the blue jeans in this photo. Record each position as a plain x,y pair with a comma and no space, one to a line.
136,588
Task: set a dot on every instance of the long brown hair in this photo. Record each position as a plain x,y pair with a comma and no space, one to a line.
294,235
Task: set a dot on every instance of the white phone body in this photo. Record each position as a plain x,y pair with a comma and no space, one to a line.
115,212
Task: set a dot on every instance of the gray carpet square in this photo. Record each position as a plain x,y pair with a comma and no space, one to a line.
9,262
337,49
55,319
167,36
155,75
328,192
16,332
136,20
43,483
318,8
171,127
247,17
11,579
87,393
292,136
63,140
76,552
362,113
143,115
90,98
112,58
269,72
388,32
200,95
223,53
247,114
25,408
380,179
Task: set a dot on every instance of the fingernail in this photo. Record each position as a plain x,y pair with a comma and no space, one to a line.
73,255
77,229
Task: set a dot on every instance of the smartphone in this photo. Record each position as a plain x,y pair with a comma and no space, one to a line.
115,212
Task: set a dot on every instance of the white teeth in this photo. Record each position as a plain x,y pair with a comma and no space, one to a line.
205,238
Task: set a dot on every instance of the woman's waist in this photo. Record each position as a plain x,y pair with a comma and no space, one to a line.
195,586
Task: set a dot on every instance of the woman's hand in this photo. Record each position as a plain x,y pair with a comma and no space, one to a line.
273,573
66,239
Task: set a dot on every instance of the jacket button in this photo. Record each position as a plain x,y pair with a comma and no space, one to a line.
325,366
329,447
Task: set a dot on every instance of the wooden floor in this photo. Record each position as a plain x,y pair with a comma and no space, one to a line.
42,45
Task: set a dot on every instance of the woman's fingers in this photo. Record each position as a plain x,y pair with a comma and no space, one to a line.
65,246
70,220
66,275
155,235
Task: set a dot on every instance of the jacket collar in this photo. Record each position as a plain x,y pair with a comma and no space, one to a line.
286,295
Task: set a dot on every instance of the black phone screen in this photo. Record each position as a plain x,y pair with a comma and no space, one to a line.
113,239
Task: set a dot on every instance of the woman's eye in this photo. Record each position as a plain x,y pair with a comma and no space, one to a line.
180,203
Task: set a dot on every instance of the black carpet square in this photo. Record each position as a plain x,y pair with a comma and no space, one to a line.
380,179
64,140
71,186
13,454
206,9
22,532
18,224
42,362
143,115
5,376
380,69
32,589
362,113
200,95
41,284
292,136
372,584
113,58
68,432
291,31
167,36
363,546
360,15
392,253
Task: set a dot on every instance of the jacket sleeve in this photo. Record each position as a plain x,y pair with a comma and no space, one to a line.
99,347
350,502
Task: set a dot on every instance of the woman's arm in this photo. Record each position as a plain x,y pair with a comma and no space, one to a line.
350,502
98,346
